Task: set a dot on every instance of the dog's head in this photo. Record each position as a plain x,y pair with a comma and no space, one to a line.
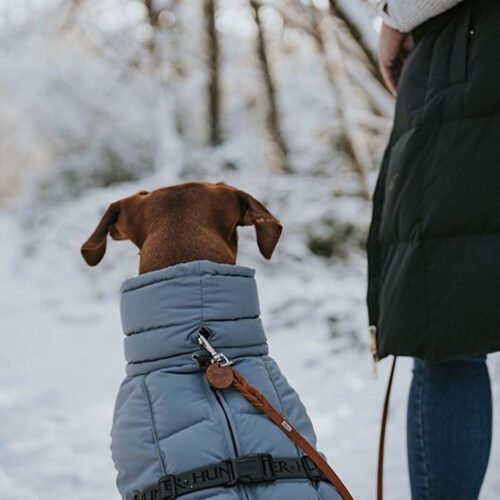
183,223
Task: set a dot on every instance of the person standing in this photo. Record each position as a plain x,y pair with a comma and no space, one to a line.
434,240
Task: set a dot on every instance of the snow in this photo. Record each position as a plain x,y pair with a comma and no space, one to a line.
61,350
74,120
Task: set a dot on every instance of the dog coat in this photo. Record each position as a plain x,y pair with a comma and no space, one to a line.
167,419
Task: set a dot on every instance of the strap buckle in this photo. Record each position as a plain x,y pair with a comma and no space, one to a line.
250,469
150,495
166,488
312,470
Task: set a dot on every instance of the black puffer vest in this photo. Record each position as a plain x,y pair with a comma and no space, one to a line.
434,243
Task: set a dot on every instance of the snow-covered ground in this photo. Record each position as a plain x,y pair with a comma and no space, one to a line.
79,108
61,347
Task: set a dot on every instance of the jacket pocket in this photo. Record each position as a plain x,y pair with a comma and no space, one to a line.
459,51
447,40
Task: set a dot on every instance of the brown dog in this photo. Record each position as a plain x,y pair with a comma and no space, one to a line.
174,432
183,223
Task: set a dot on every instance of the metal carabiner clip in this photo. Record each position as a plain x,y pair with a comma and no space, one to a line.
216,357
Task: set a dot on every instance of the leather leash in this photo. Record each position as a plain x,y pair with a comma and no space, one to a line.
259,401
221,375
383,427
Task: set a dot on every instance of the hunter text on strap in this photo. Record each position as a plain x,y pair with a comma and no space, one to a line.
250,469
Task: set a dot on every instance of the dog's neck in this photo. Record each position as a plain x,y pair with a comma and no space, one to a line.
166,247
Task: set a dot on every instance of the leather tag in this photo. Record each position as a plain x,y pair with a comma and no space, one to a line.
219,377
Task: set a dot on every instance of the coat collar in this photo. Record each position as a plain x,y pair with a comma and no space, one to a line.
162,312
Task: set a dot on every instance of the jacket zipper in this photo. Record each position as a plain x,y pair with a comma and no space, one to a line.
229,427
218,397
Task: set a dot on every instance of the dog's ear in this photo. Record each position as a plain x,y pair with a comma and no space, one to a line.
267,227
94,248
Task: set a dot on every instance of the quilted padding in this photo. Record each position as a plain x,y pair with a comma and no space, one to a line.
167,419
434,243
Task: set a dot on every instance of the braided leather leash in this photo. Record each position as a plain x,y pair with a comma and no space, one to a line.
259,401
221,375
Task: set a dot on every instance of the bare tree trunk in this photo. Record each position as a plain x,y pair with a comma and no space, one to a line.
361,66
73,8
153,14
273,121
328,45
214,94
153,18
169,144
338,12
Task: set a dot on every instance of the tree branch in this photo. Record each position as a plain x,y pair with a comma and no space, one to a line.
272,120
213,72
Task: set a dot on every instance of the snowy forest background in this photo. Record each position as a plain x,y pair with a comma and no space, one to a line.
103,98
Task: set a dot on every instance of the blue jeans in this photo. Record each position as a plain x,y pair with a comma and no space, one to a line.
449,429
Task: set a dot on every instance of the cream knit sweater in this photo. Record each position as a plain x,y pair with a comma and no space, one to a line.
408,14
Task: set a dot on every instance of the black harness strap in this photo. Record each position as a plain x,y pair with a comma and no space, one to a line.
249,469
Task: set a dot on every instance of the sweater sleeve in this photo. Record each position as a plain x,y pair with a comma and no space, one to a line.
408,14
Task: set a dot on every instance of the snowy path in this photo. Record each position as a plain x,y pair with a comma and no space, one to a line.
61,359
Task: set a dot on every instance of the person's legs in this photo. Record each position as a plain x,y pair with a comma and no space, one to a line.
449,429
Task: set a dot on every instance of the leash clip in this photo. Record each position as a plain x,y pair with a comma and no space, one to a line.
217,358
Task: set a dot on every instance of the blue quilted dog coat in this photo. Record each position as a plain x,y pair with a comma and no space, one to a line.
167,419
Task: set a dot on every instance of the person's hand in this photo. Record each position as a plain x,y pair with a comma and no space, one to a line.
394,47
